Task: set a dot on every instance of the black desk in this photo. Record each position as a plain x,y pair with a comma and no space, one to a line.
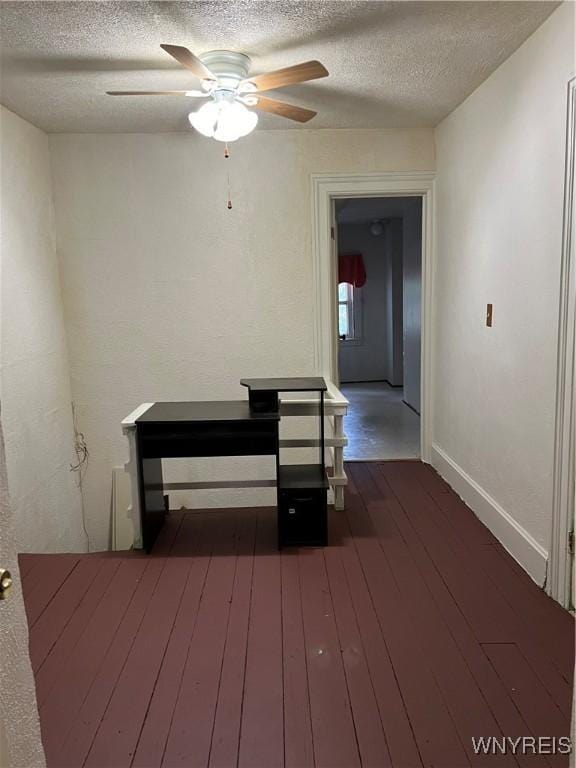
234,428
179,430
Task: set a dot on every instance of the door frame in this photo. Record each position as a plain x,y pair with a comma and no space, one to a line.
558,582
329,187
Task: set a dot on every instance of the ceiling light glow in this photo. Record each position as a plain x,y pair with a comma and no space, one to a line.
376,228
223,120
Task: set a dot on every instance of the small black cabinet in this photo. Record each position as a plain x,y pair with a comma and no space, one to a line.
302,506
302,518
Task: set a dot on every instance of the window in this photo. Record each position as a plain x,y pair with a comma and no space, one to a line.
346,324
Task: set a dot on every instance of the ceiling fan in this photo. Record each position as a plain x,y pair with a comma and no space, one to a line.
224,79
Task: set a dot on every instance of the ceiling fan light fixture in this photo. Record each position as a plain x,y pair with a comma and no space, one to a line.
223,120
223,77
247,87
204,119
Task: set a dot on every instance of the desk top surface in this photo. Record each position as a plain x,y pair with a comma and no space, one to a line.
295,384
203,411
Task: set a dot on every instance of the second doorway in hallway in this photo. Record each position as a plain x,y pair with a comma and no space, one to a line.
379,251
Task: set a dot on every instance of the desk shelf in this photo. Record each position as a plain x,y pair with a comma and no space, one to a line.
299,476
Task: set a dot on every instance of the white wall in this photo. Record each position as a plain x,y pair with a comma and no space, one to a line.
394,301
168,294
366,359
499,205
20,742
34,379
412,299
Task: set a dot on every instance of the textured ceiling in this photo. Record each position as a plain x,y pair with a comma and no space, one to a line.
391,64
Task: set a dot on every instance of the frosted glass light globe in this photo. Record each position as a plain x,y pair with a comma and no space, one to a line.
223,120
204,119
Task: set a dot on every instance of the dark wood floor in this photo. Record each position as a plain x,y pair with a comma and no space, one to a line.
411,633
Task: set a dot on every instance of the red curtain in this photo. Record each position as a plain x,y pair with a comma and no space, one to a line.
351,270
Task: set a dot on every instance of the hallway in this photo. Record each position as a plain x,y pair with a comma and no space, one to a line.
379,425
411,633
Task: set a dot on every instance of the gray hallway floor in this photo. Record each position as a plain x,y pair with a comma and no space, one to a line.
379,425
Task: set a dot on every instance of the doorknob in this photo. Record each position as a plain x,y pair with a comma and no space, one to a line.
5,583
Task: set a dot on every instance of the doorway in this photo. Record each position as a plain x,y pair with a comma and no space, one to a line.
378,253
326,190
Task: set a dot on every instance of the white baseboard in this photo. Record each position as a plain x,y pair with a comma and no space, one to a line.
519,543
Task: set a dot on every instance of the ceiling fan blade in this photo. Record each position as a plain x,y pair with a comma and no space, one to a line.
193,94
188,60
282,109
299,73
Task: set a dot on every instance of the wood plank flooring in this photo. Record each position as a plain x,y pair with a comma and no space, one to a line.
412,633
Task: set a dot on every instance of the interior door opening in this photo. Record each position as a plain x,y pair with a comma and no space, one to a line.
378,252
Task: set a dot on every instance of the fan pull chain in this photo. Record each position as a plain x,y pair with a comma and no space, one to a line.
226,156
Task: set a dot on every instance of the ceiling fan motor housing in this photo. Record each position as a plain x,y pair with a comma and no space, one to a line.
229,67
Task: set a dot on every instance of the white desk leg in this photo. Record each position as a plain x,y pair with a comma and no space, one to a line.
338,462
132,468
